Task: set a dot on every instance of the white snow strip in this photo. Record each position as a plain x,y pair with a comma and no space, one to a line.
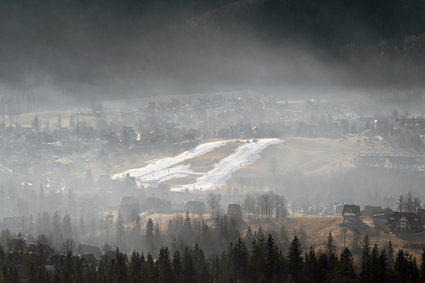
178,171
241,157
2,167
158,167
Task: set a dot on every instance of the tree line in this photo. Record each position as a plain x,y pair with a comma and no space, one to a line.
268,205
260,260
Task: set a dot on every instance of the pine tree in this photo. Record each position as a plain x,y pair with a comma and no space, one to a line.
157,238
331,254
346,269
330,247
177,266
57,230
322,263
311,267
201,265
137,226
366,272
272,260
120,228
120,272
405,268
149,238
67,227
249,235
383,270
390,255
150,270
135,267
295,261
423,265
189,272
166,274
240,256
257,265
400,267
375,265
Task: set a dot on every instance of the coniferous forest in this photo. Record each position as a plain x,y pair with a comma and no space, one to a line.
253,257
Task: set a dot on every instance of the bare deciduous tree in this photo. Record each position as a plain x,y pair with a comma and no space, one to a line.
214,201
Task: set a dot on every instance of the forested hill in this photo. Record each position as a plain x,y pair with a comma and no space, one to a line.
202,43
329,22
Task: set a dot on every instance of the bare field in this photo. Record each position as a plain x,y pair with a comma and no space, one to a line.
312,156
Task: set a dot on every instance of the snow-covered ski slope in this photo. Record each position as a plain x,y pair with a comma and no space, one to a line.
160,170
178,167
241,157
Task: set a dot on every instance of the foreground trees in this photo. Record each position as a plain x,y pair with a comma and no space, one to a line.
259,261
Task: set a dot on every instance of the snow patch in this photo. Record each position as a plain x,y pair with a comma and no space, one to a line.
158,169
241,157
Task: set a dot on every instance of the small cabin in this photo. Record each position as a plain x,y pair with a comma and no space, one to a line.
196,206
129,208
234,212
351,214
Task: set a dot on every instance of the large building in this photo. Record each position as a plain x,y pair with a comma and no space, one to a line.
392,160
404,222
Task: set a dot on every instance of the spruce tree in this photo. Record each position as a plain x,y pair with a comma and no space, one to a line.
149,237
366,271
346,269
331,254
166,274
311,267
423,265
240,259
271,259
189,272
295,260
120,229
177,266
135,268
256,262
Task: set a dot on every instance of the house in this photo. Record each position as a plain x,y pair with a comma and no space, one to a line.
195,206
234,212
156,204
370,210
129,208
421,213
351,214
91,250
380,216
89,260
337,209
404,222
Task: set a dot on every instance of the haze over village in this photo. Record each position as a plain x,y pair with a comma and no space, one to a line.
225,141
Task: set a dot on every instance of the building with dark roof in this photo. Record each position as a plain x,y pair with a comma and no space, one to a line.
351,214
404,222
234,212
